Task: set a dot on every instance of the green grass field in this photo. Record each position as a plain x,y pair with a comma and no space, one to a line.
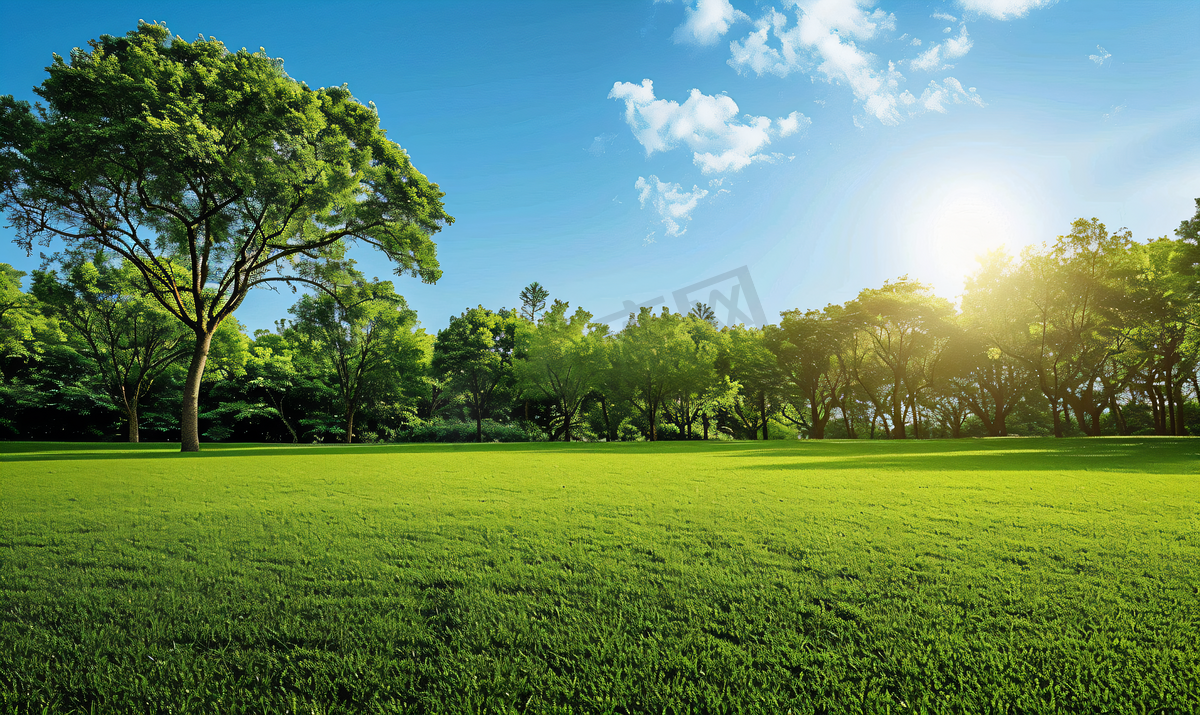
1014,575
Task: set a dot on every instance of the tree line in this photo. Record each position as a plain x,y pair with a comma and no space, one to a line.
1094,334
179,176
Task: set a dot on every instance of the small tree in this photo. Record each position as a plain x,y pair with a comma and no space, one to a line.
474,356
130,338
704,312
18,315
533,301
562,361
367,332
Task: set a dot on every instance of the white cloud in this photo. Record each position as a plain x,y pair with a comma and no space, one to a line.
944,16
600,144
951,49
792,123
706,21
950,91
1102,55
956,47
708,125
673,204
930,59
825,42
1004,9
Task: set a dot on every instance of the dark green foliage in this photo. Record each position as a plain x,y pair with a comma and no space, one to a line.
533,301
972,576
459,431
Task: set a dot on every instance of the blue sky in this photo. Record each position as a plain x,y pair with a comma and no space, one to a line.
620,151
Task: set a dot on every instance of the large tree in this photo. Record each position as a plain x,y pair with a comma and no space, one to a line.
212,172
1068,304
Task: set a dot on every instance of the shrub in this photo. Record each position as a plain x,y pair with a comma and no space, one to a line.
460,431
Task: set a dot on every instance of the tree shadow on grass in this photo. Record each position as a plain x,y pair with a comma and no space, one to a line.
59,451
1142,455
1138,454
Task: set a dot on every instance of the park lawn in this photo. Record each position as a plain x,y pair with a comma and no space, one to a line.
1008,575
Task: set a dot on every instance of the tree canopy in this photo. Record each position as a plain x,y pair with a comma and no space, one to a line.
211,172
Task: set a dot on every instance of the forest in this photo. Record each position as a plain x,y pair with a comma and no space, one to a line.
1093,334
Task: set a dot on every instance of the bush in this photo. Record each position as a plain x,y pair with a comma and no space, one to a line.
667,430
460,431
627,432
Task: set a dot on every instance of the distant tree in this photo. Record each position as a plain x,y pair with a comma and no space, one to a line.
129,337
367,333
747,361
562,361
18,315
904,325
991,382
210,172
474,356
645,357
272,375
704,312
806,346
700,391
1070,304
533,301
1162,354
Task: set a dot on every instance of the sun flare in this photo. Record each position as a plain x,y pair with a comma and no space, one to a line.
958,222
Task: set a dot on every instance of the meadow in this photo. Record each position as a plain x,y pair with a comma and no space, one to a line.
1006,575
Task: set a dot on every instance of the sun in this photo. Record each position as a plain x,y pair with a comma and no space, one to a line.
959,220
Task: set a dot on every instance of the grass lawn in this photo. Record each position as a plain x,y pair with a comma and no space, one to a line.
1011,575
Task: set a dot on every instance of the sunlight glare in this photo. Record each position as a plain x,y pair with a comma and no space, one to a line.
958,222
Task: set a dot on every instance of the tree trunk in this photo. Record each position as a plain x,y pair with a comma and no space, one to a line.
278,405
348,438
479,426
762,410
897,430
609,435
1172,426
131,416
189,423
705,418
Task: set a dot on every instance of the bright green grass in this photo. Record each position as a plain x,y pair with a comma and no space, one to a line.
1011,575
